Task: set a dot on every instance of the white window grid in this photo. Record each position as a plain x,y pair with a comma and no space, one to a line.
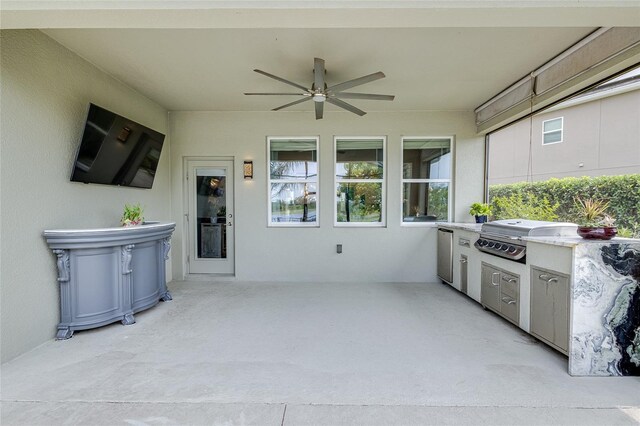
337,180
560,130
403,181
315,180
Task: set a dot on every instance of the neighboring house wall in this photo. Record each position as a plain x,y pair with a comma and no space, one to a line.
601,137
393,253
45,93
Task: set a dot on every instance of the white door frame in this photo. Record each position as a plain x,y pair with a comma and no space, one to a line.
187,161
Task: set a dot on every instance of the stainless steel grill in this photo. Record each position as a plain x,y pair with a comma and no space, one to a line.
504,237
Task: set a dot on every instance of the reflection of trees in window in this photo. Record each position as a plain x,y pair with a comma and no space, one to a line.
362,202
359,179
293,174
426,178
287,169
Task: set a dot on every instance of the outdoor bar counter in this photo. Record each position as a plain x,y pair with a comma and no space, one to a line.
107,275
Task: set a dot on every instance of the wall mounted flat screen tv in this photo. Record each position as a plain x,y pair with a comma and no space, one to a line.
117,151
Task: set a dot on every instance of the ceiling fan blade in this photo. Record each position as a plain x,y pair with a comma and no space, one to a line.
275,77
344,105
356,82
346,95
319,110
318,73
299,101
279,94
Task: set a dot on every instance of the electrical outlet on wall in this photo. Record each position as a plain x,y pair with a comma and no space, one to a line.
339,248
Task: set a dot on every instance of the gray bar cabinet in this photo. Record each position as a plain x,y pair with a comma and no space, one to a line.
109,274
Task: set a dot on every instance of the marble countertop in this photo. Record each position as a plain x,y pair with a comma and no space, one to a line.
576,241
555,241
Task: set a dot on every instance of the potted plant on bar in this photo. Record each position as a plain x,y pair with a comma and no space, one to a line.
481,211
132,215
594,223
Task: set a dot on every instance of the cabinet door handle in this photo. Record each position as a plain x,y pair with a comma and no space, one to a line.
493,275
548,278
463,260
509,280
508,301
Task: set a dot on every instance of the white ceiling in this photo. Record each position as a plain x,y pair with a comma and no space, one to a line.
199,54
426,68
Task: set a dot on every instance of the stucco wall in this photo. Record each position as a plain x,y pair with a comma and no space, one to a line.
45,93
394,253
601,137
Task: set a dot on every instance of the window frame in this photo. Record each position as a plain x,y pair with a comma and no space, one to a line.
383,183
425,180
561,130
316,223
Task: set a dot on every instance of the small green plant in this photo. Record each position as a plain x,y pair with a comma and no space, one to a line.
591,212
625,232
480,209
132,215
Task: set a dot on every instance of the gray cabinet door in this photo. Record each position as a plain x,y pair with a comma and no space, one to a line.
550,307
490,288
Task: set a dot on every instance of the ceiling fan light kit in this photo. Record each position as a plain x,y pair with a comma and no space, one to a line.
321,93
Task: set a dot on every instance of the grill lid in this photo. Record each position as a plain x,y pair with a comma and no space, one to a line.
529,228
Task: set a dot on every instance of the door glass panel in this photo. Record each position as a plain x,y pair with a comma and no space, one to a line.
211,205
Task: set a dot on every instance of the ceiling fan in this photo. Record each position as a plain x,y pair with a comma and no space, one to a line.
322,93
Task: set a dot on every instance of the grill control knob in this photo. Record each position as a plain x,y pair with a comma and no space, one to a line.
512,249
491,244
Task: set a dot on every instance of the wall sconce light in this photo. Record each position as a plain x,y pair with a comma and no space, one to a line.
248,169
124,134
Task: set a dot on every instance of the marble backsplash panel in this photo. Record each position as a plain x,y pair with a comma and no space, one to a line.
605,317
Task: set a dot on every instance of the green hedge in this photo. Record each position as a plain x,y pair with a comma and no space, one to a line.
553,199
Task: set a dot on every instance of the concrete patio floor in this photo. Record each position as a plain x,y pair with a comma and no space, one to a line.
296,354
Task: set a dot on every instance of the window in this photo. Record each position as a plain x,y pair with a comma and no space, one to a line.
293,181
426,179
552,131
360,187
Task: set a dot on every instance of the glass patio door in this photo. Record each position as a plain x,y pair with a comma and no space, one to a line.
210,217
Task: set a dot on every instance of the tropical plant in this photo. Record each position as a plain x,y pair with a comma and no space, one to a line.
591,212
132,215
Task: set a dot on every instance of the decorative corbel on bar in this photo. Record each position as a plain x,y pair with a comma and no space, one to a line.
63,265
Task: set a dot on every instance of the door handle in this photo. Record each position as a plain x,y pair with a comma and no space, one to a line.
229,224
463,260
509,280
548,278
493,275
